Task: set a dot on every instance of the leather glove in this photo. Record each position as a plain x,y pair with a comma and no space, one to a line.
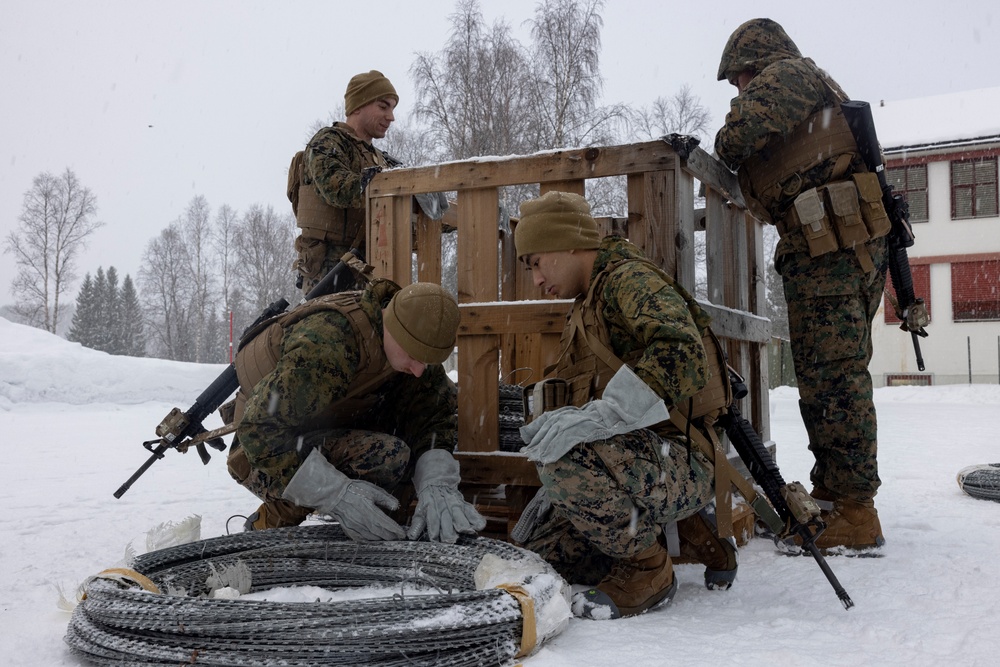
441,509
353,502
628,404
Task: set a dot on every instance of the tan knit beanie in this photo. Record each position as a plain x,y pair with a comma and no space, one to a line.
423,319
555,221
365,88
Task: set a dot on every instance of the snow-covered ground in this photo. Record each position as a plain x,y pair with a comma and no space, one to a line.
71,423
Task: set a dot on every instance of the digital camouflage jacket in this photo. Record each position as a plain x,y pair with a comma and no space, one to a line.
318,363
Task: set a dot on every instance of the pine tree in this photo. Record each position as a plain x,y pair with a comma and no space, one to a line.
132,335
82,329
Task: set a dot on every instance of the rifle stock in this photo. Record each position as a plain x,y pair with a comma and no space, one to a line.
912,312
179,427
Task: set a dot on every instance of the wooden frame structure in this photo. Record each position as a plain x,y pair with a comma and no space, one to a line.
508,324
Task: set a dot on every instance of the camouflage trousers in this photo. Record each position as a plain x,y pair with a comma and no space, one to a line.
831,305
611,497
378,458
315,259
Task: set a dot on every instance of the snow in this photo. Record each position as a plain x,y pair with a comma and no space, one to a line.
71,421
939,118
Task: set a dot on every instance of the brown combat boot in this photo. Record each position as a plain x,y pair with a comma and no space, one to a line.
640,582
851,525
276,514
700,542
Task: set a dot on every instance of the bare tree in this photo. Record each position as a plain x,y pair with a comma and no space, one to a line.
167,289
197,230
473,94
57,218
264,254
682,113
567,83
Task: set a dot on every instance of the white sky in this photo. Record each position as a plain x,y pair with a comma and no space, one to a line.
72,419
151,104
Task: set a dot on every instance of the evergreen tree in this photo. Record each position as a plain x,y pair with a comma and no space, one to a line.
131,335
101,339
82,329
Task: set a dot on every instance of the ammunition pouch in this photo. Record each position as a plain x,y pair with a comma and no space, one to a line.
541,397
842,215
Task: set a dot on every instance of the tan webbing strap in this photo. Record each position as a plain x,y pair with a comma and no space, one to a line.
529,630
726,476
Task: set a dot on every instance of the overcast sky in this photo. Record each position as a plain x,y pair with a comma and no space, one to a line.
151,104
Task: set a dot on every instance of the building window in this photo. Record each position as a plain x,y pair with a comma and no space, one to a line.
921,274
975,291
974,188
912,183
908,380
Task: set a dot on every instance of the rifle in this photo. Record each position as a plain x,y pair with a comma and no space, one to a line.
797,511
181,430
909,309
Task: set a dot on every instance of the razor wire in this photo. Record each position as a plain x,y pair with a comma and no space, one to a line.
981,481
450,624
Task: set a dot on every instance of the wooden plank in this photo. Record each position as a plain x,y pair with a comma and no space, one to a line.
428,249
652,223
683,214
478,355
516,317
570,164
738,325
710,171
715,257
390,236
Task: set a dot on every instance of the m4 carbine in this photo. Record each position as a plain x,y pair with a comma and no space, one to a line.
180,430
909,309
796,509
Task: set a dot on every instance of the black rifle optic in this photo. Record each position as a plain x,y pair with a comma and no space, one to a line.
793,505
179,430
912,312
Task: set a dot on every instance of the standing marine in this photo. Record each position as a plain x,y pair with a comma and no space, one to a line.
326,181
799,169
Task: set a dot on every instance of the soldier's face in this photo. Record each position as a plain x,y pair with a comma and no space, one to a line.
375,118
399,359
742,79
557,273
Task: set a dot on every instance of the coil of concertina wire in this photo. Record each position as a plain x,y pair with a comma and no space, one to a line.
981,481
451,623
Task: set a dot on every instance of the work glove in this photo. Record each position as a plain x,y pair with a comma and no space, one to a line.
354,503
441,509
628,404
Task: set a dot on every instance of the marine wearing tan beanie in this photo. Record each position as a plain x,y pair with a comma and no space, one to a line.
423,319
555,221
365,88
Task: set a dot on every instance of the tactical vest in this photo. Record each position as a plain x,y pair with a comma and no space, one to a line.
843,212
314,216
261,347
588,363
773,175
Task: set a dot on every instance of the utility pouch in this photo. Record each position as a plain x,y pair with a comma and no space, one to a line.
811,214
544,396
845,211
238,464
870,199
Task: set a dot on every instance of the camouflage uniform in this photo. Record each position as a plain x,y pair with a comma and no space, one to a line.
832,299
307,402
611,496
334,220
